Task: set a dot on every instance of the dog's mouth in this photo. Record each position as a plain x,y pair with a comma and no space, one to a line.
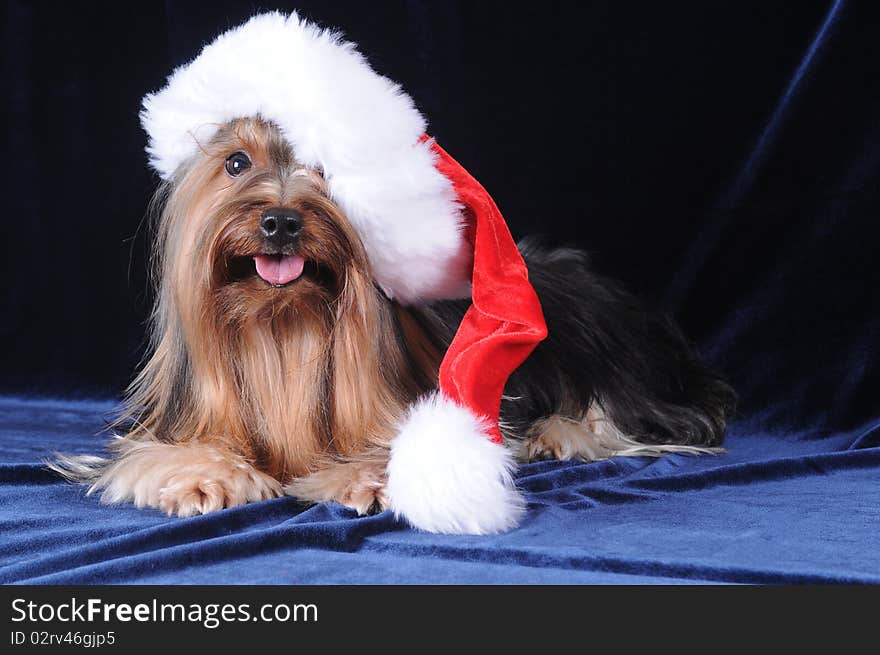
279,270
276,270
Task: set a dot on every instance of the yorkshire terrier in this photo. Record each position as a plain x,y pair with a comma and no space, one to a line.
278,366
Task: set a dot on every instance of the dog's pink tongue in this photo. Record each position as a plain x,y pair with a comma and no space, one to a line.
278,269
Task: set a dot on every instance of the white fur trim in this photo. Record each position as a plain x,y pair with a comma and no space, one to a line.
339,114
446,475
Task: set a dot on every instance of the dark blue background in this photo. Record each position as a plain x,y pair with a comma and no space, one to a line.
721,158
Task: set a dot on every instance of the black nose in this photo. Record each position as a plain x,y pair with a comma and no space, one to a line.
280,226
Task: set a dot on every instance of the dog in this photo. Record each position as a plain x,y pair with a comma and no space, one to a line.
342,315
276,365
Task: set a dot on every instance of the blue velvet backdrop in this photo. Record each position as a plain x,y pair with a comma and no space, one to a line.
720,158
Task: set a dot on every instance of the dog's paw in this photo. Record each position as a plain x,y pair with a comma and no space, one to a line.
183,478
209,486
552,444
562,438
360,485
592,439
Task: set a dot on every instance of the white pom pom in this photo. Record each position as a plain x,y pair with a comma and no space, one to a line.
446,475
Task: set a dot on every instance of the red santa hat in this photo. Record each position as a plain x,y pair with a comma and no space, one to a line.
430,231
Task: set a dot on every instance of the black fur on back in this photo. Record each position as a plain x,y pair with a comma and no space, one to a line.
603,346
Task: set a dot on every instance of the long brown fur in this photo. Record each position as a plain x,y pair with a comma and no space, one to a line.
290,380
251,390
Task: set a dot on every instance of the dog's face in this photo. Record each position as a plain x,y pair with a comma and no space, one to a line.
268,329
254,230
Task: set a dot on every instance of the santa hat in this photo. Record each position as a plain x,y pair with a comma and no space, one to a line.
430,231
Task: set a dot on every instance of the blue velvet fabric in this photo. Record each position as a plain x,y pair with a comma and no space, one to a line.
778,507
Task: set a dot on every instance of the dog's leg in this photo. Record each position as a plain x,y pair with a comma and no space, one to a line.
184,479
357,482
590,439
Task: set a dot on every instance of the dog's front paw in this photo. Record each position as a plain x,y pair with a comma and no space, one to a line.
183,479
209,486
357,484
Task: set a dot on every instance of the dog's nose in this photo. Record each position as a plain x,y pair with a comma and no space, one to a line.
280,225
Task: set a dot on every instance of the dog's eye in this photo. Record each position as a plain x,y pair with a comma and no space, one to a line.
237,163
